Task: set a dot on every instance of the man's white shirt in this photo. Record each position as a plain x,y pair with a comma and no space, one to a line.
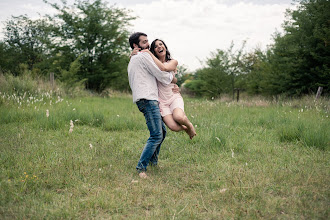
142,76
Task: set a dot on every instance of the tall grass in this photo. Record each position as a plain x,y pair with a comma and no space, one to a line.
250,160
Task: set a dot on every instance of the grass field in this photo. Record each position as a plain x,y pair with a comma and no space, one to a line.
249,160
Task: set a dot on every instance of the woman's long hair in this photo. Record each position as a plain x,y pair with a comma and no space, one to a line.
152,50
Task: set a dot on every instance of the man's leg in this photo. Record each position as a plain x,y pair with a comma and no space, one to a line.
154,158
154,122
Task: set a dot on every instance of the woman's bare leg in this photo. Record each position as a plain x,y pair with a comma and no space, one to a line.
180,117
173,125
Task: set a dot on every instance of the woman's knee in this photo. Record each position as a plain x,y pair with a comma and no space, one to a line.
179,118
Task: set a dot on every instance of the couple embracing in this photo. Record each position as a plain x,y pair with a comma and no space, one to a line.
151,75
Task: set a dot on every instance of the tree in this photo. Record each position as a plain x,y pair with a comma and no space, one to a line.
98,33
221,73
255,72
24,42
300,57
182,74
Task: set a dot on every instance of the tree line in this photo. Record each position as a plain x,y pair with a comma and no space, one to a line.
87,44
297,62
82,43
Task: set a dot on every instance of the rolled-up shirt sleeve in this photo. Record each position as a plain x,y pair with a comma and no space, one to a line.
161,76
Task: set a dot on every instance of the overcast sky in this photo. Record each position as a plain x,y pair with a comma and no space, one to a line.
190,28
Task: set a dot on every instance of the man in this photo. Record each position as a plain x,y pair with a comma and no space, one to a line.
142,75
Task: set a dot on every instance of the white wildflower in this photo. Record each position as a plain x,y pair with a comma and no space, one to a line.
71,126
74,109
47,113
223,190
117,115
90,146
232,153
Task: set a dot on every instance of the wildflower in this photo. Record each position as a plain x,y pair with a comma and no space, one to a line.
232,153
90,146
74,109
117,115
223,190
71,126
47,113
218,139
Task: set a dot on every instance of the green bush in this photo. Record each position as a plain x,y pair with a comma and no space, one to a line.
19,85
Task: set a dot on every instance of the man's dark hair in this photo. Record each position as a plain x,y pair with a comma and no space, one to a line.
135,38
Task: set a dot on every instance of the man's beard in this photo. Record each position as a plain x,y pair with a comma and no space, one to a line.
144,48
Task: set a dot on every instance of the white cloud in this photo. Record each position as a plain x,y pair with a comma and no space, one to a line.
192,29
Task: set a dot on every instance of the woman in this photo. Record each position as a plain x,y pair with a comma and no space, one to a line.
171,104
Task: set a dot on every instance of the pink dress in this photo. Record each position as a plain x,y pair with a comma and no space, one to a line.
168,100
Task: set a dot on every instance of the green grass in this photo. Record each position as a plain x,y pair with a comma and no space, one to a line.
247,161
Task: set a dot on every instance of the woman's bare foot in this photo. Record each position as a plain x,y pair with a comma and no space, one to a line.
191,131
143,175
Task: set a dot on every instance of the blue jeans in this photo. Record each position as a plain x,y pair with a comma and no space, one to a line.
157,130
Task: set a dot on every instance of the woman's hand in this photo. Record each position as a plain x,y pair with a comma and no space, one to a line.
146,50
134,51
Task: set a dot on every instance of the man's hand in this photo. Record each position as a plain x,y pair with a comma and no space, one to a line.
174,80
176,89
